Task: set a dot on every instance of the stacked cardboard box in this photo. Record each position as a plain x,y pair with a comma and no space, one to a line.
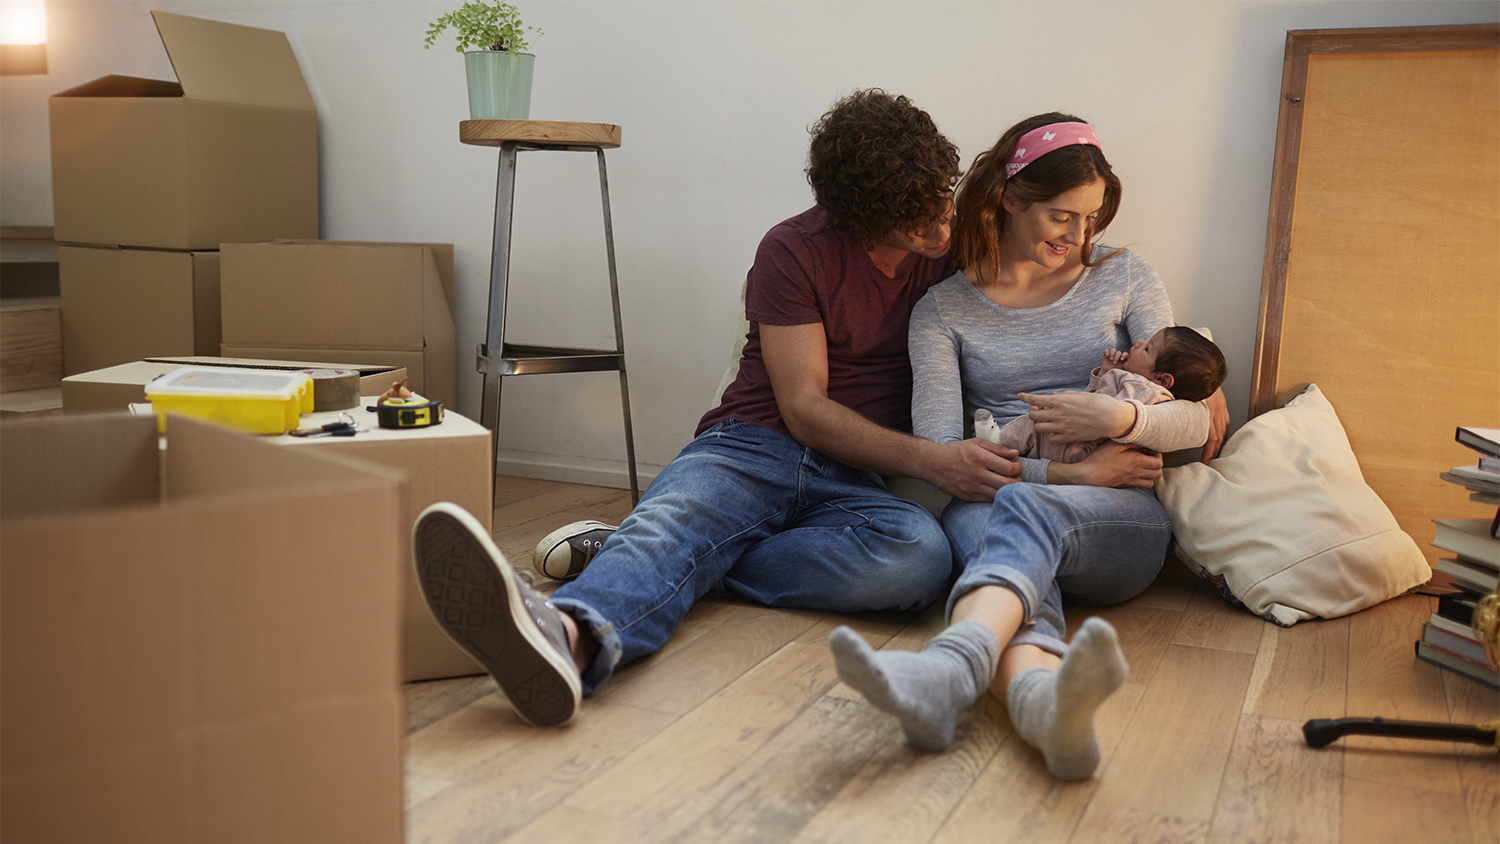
149,177
116,388
385,303
198,641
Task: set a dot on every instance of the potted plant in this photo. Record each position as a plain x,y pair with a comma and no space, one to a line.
493,41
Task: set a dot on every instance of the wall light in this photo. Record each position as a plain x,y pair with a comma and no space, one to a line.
23,37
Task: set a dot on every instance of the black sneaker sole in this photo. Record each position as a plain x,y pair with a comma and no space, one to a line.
478,606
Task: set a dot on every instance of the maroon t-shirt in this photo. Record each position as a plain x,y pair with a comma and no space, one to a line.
805,272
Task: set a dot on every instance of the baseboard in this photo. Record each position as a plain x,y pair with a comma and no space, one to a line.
613,474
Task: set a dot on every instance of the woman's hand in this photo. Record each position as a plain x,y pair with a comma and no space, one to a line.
1218,424
1112,465
1077,417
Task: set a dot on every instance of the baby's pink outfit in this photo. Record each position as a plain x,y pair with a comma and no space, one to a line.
1020,433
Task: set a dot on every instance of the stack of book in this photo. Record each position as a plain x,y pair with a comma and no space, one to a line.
1448,639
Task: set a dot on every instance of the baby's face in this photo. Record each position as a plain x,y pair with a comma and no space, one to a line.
1143,354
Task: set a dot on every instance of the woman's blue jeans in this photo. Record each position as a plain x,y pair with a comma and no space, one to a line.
1093,545
751,511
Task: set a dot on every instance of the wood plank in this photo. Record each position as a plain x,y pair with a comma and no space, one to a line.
527,510
1380,813
903,794
1473,703
785,783
686,677
430,701
518,780
1132,826
1387,680
1016,801
1172,588
688,758
441,753
1277,789
703,618
568,825
1212,622
31,356
1301,672
32,403
1144,633
494,132
1171,760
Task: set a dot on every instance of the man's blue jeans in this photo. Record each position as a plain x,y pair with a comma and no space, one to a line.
750,510
1096,546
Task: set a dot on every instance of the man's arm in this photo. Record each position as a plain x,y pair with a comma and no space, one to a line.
796,358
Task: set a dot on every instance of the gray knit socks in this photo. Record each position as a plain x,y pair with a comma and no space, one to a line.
1053,709
926,690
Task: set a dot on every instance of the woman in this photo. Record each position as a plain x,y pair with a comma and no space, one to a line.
1021,324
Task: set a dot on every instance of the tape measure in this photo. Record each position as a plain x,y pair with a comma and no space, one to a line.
409,413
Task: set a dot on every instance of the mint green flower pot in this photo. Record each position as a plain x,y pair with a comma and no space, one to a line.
499,84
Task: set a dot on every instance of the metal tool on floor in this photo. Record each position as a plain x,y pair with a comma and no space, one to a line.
1321,732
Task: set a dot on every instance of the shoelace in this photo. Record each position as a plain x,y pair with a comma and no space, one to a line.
590,547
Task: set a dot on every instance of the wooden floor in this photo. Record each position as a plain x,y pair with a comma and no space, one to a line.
740,731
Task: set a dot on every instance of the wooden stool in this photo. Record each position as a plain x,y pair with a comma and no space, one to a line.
498,358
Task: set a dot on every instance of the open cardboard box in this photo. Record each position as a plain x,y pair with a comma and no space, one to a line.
197,642
228,153
114,389
378,301
122,305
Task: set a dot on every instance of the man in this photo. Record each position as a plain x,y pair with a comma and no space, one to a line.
779,498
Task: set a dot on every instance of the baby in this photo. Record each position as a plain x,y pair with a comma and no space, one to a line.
1177,362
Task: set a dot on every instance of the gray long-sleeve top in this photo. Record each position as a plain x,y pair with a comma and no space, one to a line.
968,352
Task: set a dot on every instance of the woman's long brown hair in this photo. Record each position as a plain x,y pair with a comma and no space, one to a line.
980,216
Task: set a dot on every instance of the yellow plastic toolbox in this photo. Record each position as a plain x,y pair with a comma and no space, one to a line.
256,401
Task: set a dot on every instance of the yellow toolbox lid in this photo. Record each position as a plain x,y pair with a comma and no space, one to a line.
224,382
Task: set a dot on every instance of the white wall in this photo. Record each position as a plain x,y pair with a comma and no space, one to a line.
715,99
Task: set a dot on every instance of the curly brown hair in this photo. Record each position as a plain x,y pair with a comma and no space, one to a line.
978,210
878,164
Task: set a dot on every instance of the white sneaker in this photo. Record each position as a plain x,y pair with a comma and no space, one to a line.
509,628
564,552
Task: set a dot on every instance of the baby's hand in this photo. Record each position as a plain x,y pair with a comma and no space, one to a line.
1113,359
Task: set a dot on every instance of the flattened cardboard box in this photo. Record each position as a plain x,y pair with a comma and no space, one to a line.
446,462
122,305
115,388
197,644
228,153
429,372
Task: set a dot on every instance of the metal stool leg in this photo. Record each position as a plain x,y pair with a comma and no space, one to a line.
494,334
496,361
614,296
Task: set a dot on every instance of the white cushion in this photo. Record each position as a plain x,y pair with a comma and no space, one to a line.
1284,523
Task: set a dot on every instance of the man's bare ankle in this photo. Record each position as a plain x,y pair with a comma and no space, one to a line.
581,644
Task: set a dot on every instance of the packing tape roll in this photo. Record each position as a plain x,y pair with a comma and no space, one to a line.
334,389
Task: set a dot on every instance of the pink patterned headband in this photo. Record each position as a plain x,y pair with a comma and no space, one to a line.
1053,136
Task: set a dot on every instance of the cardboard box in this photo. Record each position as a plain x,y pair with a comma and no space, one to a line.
228,153
384,302
115,388
430,372
198,642
122,305
446,462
